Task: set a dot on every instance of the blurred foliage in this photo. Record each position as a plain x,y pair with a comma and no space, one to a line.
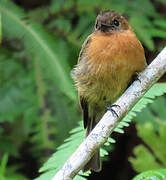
9,173
152,131
0,29
152,175
38,103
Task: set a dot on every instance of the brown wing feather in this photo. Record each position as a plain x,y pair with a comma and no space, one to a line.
84,46
84,106
83,101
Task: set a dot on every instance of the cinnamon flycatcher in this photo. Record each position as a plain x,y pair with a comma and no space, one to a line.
108,60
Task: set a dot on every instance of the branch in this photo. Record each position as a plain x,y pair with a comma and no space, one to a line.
108,123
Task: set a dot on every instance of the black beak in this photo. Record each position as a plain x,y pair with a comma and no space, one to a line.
106,25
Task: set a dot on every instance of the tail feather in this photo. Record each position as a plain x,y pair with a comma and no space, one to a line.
89,118
94,163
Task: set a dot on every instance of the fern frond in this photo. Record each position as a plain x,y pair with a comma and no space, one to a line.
157,90
36,39
153,133
144,159
63,152
157,174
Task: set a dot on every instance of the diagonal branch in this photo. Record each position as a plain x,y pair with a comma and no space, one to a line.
108,123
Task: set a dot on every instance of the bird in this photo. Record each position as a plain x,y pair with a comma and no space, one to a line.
109,59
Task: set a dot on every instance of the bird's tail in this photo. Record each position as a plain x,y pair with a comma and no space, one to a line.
94,163
90,120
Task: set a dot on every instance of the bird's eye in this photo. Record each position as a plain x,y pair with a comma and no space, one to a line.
97,26
116,22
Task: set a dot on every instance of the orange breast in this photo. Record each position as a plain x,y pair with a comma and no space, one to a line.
112,60
115,51
107,66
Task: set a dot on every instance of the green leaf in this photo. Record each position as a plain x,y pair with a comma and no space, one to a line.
144,160
0,29
159,174
141,26
157,108
143,8
36,39
160,23
155,32
156,90
3,164
156,142
57,5
63,153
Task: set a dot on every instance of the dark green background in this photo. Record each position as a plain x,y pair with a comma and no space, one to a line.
38,102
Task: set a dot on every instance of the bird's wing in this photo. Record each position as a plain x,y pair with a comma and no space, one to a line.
84,46
83,101
84,106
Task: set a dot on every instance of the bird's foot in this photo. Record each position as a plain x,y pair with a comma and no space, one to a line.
110,108
135,77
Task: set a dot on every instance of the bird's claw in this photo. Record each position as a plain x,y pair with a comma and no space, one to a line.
110,108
